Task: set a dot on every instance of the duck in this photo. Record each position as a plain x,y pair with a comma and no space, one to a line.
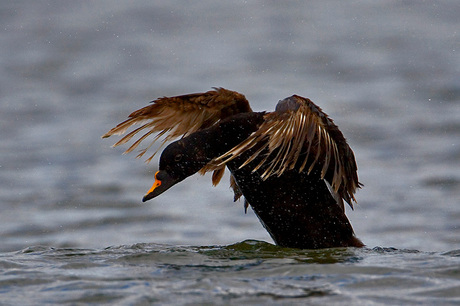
293,166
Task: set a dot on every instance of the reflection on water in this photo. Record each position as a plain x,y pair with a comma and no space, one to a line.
387,73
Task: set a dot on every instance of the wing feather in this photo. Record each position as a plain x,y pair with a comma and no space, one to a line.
299,136
179,116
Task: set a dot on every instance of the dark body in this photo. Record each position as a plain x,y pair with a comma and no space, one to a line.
296,209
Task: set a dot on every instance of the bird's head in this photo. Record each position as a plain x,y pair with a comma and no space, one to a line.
178,161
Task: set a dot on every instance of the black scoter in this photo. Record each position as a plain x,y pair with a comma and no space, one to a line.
293,166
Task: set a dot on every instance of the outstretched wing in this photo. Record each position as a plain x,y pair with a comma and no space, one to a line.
299,135
179,116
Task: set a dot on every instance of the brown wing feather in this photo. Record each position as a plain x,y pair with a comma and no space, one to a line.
180,116
300,137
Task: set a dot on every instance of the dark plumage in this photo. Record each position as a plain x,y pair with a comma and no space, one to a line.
293,165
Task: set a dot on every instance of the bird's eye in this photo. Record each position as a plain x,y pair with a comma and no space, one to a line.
178,157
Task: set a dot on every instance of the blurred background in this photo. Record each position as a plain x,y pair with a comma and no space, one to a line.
387,72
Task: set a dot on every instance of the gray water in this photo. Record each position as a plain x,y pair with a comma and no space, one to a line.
72,225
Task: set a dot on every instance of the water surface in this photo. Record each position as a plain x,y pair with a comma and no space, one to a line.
246,272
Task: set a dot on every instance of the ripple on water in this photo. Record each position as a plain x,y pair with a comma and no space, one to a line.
249,271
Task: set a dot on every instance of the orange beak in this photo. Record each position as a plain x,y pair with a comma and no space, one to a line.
163,181
156,184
